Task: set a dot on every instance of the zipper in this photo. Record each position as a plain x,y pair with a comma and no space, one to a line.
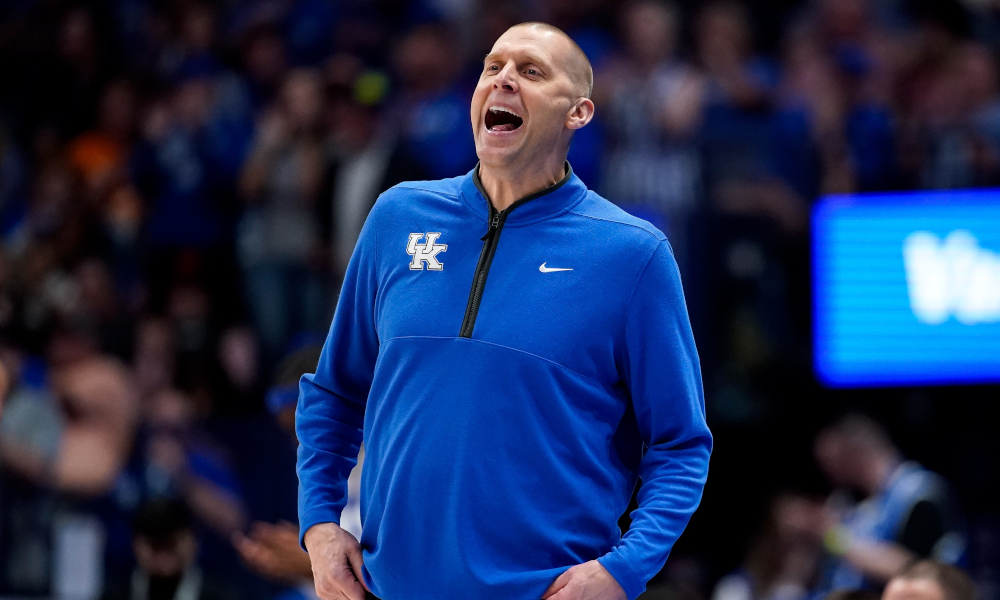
490,240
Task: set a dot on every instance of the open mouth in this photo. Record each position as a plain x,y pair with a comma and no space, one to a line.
502,119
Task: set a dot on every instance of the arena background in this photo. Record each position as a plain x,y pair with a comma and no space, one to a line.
182,182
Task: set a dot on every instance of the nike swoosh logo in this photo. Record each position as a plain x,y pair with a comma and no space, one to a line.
545,269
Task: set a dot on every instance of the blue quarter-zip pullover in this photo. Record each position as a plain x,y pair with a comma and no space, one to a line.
509,388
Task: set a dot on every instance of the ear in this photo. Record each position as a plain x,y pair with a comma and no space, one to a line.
581,114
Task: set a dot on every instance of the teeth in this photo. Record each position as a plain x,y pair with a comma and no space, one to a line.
502,109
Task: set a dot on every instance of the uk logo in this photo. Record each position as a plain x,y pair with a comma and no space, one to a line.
426,252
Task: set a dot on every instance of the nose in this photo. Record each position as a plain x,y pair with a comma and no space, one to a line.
506,79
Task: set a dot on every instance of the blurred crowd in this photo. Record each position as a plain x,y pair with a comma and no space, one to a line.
182,183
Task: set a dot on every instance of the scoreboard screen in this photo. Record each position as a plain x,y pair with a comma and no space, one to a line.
906,289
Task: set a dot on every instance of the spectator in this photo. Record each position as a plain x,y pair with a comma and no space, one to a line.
71,430
4,386
100,155
363,158
279,242
958,121
907,512
13,177
273,550
65,433
182,461
782,560
930,580
431,112
191,52
652,167
741,147
166,552
172,170
264,64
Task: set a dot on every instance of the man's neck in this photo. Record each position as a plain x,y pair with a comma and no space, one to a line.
507,186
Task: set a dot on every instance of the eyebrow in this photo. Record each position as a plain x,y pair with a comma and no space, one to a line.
531,58
535,60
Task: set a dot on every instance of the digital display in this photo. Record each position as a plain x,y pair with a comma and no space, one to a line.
906,289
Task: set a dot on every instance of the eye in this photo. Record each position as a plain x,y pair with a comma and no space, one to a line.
531,71
492,68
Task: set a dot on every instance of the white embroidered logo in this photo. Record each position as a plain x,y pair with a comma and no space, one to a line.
545,269
426,252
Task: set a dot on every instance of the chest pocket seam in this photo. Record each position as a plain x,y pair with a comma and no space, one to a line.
512,349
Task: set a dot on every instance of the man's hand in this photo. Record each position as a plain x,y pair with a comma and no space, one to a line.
336,563
273,551
589,581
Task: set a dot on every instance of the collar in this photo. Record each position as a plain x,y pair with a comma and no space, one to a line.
545,204
898,473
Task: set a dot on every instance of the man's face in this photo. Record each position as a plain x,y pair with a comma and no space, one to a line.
836,459
913,589
522,105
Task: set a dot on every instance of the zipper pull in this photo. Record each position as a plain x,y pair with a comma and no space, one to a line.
493,226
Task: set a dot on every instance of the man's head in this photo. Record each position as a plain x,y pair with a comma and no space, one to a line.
854,452
849,594
533,93
930,580
163,539
650,29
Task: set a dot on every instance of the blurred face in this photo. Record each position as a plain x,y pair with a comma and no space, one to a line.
978,70
723,37
526,100
425,62
238,355
913,589
193,102
170,410
795,516
650,29
168,560
118,110
303,98
265,59
199,28
836,460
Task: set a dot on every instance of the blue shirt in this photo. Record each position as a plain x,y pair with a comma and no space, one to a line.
509,388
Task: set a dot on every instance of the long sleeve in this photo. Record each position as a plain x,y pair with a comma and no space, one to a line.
659,363
329,418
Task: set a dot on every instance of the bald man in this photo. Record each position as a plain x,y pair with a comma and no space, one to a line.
515,352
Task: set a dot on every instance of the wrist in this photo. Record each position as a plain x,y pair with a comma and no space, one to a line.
316,531
622,573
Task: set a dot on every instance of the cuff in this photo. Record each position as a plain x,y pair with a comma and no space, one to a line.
619,569
316,516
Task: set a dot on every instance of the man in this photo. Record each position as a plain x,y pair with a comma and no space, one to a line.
4,385
930,580
907,513
515,351
272,549
166,558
